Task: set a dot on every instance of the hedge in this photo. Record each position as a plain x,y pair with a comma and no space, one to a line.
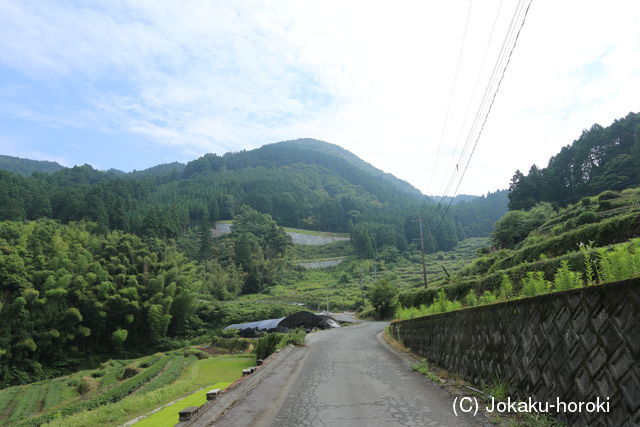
492,281
614,230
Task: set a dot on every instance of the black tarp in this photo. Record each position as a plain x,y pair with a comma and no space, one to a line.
301,319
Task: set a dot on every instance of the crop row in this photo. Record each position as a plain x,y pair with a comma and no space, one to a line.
115,394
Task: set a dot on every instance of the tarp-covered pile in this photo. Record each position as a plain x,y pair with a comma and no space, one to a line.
301,319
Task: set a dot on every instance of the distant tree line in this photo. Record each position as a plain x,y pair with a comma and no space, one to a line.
603,158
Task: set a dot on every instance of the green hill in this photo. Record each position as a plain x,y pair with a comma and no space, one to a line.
303,184
602,158
26,167
541,240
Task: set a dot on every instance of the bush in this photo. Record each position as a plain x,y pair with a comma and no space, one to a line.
608,195
487,298
382,296
295,337
604,206
232,345
267,345
566,279
535,284
506,287
471,299
619,263
586,218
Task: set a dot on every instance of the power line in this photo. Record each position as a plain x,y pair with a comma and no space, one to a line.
475,87
486,116
485,98
453,86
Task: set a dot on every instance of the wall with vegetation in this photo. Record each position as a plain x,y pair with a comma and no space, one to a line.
576,345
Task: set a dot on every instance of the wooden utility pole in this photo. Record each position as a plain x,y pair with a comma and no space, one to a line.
424,264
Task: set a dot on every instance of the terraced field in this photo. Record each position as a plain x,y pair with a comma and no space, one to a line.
117,391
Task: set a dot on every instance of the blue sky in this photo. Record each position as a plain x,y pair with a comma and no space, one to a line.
128,84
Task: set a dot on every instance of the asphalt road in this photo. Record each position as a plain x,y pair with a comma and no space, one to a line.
345,377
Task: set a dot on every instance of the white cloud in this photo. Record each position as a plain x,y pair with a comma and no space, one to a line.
371,76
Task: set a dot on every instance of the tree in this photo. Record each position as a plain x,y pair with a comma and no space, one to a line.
382,296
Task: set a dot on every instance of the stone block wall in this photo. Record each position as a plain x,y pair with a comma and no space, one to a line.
575,345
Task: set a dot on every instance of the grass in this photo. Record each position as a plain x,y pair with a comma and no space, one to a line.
29,401
200,374
423,368
168,417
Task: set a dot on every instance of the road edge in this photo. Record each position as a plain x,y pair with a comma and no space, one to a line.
211,411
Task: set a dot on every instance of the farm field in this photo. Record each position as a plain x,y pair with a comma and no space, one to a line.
168,417
119,390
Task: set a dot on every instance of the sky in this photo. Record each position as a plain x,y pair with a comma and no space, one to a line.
131,84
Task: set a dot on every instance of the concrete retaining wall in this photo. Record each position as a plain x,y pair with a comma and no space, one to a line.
575,345
297,238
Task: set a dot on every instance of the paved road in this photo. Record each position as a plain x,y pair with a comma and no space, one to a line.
345,377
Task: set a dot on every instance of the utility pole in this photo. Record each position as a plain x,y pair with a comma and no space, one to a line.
424,265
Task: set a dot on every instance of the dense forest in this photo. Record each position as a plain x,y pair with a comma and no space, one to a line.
26,166
97,264
306,184
72,291
602,158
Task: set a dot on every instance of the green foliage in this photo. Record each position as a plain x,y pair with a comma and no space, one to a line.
72,293
498,388
382,297
231,344
516,225
118,337
440,305
471,299
267,345
586,218
172,371
295,337
113,395
487,298
600,159
534,284
620,262
589,272
566,279
506,287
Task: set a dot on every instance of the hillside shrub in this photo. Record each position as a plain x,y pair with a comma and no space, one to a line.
487,298
612,230
232,345
267,345
586,218
534,284
620,262
295,337
506,287
565,278
604,205
608,195
471,299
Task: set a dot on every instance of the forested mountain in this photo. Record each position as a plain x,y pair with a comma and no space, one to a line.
477,215
173,170
26,167
337,151
600,159
304,184
455,200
